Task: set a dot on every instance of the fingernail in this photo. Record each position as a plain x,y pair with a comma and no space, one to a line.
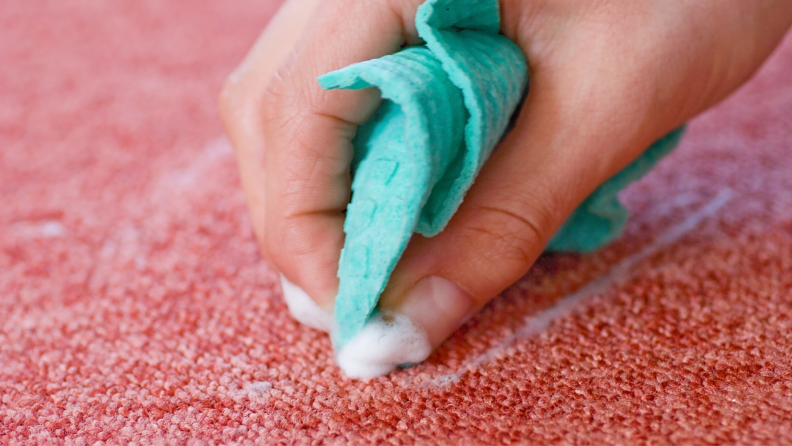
439,306
304,309
430,313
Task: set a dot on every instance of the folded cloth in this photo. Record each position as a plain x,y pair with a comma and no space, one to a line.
446,104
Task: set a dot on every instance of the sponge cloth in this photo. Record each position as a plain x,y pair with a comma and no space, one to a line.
446,104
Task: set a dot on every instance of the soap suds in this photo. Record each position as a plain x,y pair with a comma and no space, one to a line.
304,309
387,341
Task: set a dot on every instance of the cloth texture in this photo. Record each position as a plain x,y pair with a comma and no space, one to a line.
135,307
446,105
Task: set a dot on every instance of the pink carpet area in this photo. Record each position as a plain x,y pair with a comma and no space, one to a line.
134,306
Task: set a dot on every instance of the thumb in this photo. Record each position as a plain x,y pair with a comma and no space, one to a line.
545,168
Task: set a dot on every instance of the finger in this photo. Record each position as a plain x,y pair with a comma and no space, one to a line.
240,99
308,133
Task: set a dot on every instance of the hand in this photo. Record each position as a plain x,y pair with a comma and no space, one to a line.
607,79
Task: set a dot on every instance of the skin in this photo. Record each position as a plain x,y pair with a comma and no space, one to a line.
608,77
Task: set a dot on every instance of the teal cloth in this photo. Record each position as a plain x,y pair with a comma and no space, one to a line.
446,104
601,217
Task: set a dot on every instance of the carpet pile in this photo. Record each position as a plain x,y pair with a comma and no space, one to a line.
134,306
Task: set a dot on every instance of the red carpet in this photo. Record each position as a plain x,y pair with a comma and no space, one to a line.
134,306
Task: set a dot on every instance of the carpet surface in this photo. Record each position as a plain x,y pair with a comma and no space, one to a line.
134,306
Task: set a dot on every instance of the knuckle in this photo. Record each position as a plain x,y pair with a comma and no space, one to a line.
503,238
273,98
513,229
238,110
287,241
278,105
231,96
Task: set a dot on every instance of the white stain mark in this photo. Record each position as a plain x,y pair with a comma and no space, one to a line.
214,151
259,387
618,275
127,243
52,229
260,390
34,230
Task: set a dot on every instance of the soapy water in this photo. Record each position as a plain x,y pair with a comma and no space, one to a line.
304,309
387,341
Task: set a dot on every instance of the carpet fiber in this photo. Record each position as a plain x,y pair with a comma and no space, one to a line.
134,305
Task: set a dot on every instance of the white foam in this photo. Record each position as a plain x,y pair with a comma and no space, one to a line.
387,341
304,309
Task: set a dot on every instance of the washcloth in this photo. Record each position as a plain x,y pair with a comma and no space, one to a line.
446,104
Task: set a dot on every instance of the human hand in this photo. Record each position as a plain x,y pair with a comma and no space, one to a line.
607,79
